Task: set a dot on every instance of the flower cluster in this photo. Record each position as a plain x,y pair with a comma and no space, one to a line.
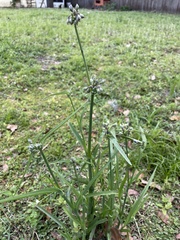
95,85
75,16
33,148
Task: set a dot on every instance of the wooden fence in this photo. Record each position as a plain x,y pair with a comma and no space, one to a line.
172,6
150,5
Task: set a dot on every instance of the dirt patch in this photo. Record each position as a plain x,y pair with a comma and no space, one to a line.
47,61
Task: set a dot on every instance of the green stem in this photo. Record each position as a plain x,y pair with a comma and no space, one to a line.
49,168
82,53
90,167
111,182
127,177
89,157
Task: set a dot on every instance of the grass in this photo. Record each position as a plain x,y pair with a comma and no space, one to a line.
138,56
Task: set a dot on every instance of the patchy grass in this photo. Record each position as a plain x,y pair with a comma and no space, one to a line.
136,53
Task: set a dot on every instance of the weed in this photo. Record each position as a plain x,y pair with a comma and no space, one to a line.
137,55
93,202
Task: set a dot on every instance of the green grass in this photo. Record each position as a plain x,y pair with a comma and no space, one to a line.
137,54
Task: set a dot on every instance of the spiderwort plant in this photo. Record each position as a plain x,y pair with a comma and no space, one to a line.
108,194
100,198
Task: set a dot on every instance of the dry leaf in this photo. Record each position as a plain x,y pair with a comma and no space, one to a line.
127,120
115,234
132,192
27,175
12,127
178,236
130,144
163,217
126,112
5,167
141,176
56,236
64,168
153,184
175,118
136,97
49,210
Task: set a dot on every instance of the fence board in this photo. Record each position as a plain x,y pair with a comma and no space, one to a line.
150,5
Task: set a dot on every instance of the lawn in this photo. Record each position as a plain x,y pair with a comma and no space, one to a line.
137,54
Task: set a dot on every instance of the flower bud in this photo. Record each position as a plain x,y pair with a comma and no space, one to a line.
69,20
71,7
82,16
77,6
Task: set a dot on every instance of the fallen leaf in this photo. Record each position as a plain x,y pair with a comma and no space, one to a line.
178,236
120,110
126,112
64,168
175,118
132,192
163,217
49,210
115,234
56,236
127,120
12,127
153,184
5,167
141,176
78,149
27,175
130,144
136,97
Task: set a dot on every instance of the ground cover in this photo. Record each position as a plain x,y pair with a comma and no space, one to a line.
137,54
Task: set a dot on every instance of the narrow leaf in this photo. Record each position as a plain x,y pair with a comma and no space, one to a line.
94,224
120,150
30,194
77,136
140,201
143,136
72,217
103,193
56,220
61,124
